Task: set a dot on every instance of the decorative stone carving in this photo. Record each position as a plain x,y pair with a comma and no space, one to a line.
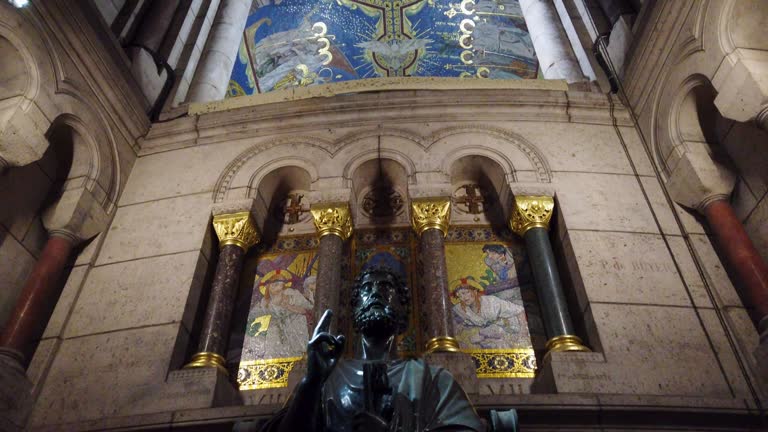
429,213
333,219
531,212
236,229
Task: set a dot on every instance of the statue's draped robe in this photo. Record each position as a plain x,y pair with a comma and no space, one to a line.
424,398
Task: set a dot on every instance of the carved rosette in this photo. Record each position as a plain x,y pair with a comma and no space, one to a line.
427,213
236,229
333,219
531,212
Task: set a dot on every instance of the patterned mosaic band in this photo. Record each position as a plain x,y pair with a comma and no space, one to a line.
264,374
504,363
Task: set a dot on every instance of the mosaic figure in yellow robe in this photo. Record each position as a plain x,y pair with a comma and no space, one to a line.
486,321
288,310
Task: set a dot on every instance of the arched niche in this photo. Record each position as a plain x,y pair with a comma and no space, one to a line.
480,190
379,187
690,122
277,190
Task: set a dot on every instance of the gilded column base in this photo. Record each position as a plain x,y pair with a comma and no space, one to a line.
208,359
566,343
443,344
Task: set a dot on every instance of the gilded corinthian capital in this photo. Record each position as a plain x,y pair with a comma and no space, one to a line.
236,229
429,213
332,219
531,212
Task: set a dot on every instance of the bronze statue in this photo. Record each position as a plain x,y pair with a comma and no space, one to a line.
374,393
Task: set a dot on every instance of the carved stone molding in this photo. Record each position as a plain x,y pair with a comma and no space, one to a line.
236,229
427,213
531,212
333,219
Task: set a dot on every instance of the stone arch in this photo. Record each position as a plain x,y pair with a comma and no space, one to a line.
510,150
103,175
742,25
27,109
249,157
354,163
302,164
678,122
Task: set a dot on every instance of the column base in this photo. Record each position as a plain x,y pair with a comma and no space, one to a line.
443,344
15,391
208,359
565,343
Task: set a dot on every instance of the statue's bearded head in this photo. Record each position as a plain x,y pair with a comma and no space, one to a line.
379,302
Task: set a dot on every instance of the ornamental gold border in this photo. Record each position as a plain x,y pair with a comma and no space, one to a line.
286,364
477,353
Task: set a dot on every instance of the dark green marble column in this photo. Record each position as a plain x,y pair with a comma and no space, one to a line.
530,219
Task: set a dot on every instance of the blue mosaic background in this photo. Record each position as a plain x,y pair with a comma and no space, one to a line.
293,43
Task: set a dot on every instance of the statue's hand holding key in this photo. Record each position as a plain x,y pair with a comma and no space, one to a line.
323,350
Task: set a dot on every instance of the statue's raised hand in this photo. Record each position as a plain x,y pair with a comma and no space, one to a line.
323,350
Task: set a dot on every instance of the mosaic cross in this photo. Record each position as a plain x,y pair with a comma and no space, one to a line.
294,209
472,199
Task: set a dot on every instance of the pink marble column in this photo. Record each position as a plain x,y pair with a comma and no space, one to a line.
430,218
740,254
38,298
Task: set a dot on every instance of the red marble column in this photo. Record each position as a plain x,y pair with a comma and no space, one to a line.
740,254
430,218
434,282
39,296
334,226
237,232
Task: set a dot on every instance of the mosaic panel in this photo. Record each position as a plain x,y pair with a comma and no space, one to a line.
306,42
280,314
488,277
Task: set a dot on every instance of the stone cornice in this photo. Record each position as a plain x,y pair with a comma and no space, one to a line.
371,109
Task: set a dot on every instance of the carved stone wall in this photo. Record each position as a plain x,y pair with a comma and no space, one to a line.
636,295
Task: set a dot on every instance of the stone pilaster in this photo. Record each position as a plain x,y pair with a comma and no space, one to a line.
334,226
553,49
237,233
530,220
430,218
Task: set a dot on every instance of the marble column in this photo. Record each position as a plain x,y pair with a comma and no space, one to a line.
530,220
740,254
553,49
237,233
334,226
430,218
41,291
212,74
